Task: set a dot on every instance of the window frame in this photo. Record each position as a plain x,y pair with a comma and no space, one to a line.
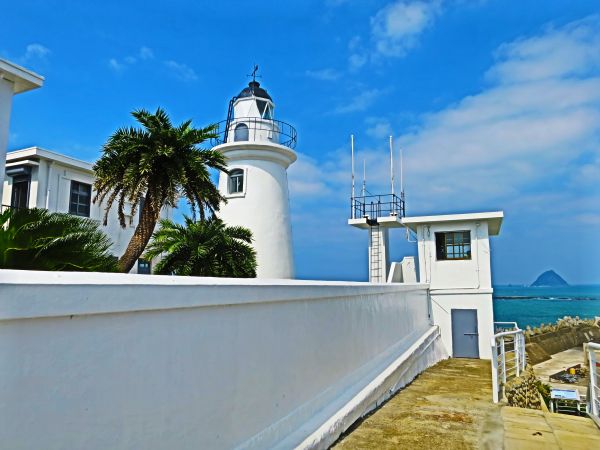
236,172
237,132
140,263
441,249
88,205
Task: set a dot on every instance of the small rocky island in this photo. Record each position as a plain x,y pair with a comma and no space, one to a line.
549,279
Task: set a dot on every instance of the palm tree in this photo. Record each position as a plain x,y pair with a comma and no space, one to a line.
35,239
203,248
156,165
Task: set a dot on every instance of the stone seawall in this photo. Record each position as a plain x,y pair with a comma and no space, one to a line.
540,347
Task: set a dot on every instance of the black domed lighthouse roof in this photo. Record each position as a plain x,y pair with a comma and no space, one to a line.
254,89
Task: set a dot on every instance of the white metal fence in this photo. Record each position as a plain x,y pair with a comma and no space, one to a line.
593,397
508,356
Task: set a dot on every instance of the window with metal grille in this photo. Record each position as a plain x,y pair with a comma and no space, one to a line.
81,199
236,181
453,245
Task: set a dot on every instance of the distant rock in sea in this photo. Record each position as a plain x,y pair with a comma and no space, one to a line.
549,278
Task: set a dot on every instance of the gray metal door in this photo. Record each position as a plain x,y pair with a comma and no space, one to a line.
465,336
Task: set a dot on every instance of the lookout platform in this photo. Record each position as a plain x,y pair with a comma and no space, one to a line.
450,406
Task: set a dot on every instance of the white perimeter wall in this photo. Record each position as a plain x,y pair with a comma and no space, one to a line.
124,361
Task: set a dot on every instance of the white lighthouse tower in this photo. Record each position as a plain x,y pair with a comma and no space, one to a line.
259,149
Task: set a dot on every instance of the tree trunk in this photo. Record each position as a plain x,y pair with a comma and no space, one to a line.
141,236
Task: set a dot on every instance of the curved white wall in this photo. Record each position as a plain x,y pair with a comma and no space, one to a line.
263,207
121,361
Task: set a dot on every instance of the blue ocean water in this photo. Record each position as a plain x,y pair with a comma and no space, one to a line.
536,305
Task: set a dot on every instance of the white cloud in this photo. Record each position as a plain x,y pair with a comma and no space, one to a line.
306,178
181,71
568,51
378,127
359,102
34,53
530,141
144,54
324,74
115,65
396,27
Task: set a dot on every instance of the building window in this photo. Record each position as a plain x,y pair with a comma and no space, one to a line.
241,132
81,199
453,245
20,192
236,181
144,267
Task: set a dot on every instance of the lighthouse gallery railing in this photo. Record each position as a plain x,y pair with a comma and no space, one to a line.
258,128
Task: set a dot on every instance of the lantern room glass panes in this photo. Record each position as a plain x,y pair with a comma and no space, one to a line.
453,245
236,181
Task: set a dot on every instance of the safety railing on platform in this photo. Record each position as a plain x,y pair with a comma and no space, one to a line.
593,395
508,356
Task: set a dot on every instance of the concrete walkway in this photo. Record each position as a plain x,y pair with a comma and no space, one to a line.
531,429
449,406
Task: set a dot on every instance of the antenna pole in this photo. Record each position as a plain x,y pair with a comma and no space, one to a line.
392,164
401,170
364,186
352,147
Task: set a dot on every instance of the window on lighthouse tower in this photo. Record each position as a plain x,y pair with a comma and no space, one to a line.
241,132
236,181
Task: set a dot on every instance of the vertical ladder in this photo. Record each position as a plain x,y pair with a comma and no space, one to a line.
375,247
229,119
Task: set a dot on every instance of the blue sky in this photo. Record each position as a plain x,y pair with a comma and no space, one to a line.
496,104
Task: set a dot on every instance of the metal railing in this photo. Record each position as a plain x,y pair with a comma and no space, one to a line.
508,356
257,129
373,206
593,394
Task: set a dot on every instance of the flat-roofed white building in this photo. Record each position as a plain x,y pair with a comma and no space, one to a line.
14,80
39,178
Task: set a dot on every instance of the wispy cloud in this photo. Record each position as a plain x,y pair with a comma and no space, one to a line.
146,55
181,71
327,74
395,29
535,129
359,102
35,52
143,54
378,127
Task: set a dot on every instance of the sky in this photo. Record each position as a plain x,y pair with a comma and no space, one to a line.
495,103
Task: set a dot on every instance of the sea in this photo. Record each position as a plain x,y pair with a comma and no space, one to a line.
536,305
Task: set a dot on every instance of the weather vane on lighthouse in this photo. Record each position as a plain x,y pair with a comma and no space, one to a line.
253,74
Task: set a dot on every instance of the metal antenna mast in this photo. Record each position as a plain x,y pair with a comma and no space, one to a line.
364,185
352,147
392,164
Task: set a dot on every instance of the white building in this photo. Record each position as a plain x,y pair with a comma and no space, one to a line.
259,149
38,178
454,261
13,80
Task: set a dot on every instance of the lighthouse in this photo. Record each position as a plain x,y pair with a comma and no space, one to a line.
259,149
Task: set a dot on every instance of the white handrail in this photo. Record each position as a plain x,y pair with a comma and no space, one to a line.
503,368
593,398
